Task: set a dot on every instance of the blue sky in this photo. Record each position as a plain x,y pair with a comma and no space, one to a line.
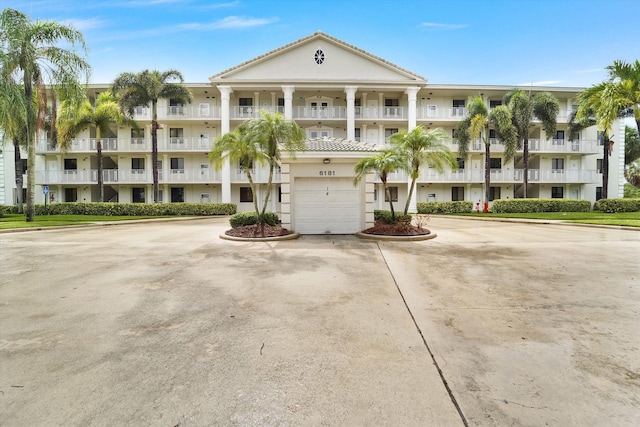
508,42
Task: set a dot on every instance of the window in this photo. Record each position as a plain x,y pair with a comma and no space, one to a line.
175,107
388,132
70,164
279,194
357,134
558,139
494,193
460,163
247,162
559,134
70,194
557,192
391,102
137,136
246,107
393,191
432,111
599,165
137,195
177,194
600,137
137,164
598,193
557,165
495,163
492,134
458,107
176,135
494,104
457,193
246,195
177,164
245,102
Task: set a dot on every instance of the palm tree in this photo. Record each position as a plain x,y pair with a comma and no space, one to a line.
625,81
423,147
477,123
12,125
144,88
383,163
273,133
30,52
237,148
524,107
631,145
73,120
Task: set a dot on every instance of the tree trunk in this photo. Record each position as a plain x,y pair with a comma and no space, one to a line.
525,177
487,176
31,149
605,167
387,194
411,189
100,177
154,159
19,170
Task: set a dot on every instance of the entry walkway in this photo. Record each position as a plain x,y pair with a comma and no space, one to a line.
166,324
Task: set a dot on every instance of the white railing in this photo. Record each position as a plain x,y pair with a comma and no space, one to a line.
378,113
123,145
177,112
126,176
320,113
397,176
258,175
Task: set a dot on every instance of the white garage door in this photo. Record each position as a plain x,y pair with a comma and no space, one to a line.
326,206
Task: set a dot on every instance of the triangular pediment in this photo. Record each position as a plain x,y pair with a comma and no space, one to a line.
318,58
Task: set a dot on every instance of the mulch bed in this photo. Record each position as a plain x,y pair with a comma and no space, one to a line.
254,231
382,229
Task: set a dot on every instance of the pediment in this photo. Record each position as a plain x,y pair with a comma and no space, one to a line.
318,58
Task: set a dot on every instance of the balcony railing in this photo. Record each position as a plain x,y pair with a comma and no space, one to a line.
261,175
112,176
319,113
122,145
177,112
510,176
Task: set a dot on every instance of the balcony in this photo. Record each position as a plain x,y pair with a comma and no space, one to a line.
113,176
124,145
202,110
582,146
393,177
510,176
260,175
320,113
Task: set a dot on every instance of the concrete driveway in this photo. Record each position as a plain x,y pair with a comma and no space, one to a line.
165,324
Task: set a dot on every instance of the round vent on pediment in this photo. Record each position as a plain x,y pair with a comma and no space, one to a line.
319,56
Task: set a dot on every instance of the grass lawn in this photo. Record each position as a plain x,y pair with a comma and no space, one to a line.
18,221
631,219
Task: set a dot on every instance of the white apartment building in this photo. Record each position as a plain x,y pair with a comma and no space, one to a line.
349,102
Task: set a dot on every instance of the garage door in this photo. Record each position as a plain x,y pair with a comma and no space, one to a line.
326,206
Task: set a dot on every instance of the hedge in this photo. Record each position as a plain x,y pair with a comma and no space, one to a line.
540,205
462,206
135,209
385,216
250,218
617,205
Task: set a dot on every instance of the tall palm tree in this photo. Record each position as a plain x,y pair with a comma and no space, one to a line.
12,126
237,148
477,122
31,52
631,145
73,120
144,89
383,163
423,147
274,133
625,79
524,107
597,105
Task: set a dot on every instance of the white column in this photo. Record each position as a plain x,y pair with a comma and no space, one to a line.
412,106
351,112
225,118
381,135
288,101
256,104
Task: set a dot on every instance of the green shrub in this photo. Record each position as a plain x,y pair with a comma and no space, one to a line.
250,218
135,209
540,205
631,192
617,205
3,210
385,217
462,206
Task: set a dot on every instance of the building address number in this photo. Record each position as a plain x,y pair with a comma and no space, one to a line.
327,173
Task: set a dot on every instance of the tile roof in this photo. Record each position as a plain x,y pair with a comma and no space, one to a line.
339,144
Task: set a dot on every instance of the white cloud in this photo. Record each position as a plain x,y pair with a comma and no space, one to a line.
444,27
239,22
84,24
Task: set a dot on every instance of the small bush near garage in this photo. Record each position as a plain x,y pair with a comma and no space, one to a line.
3,210
251,218
539,205
445,207
135,209
387,218
617,205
